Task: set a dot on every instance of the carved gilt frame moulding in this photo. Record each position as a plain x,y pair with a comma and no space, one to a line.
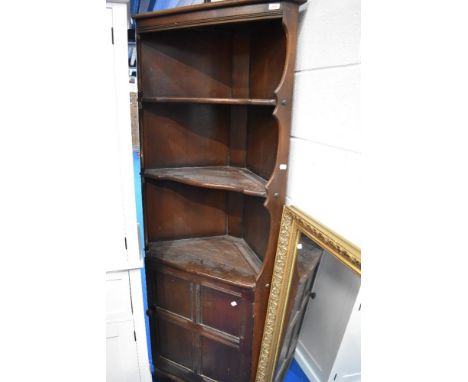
294,223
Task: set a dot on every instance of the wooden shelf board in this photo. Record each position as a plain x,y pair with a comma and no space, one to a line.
222,101
219,177
224,258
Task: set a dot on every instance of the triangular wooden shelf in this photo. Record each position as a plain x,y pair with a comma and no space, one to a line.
225,258
218,177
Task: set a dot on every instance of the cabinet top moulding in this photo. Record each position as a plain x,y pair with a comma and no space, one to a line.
208,6
201,100
222,12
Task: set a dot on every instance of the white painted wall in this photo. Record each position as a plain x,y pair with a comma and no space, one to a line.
325,163
326,134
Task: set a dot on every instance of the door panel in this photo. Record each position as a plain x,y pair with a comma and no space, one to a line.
174,294
118,297
175,342
220,361
222,310
121,360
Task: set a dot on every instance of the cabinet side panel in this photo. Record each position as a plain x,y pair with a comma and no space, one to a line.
267,57
262,141
176,211
277,181
256,224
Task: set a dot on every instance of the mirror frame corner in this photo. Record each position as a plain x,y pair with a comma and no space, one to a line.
294,222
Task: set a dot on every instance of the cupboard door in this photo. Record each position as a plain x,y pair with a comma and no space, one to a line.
200,330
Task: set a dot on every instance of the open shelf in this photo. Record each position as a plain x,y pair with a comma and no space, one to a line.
233,63
176,211
208,100
178,135
218,177
225,258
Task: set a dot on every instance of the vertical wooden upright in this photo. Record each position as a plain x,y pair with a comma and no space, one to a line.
215,93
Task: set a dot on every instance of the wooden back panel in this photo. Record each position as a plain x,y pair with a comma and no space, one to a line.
256,221
175,211
178,135
230,61
262,142
199,66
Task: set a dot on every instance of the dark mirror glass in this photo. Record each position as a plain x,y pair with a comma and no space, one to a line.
307,259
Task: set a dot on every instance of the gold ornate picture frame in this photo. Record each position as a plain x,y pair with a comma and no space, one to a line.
294,223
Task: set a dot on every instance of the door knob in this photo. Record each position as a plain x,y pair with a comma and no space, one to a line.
150,311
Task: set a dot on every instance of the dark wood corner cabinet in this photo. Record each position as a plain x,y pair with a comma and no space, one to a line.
215,90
